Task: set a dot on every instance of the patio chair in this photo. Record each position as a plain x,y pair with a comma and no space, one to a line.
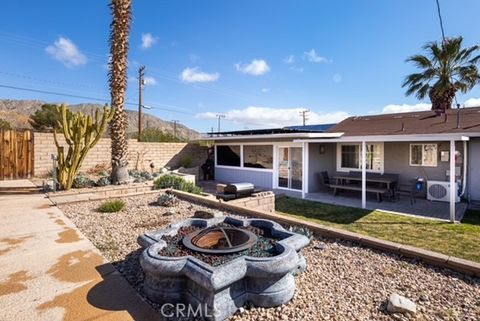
406,189
324,180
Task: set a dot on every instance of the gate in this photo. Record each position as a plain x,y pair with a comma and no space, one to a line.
16,154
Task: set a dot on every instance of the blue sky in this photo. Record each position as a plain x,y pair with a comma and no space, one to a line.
257,62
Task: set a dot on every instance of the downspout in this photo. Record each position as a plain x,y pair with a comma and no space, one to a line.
465,159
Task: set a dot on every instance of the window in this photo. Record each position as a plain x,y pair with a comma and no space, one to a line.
258,156
423,155
349,158
228,155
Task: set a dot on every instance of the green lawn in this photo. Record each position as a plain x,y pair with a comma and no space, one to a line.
460,240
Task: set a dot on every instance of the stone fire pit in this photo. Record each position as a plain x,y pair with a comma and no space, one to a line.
221,264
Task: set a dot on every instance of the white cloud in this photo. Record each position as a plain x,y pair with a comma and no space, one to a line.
472,102
289,60
337,78
148,40
405,108
296,68
65,51
262,117
312,56
149,81
257,67
196,75
265,90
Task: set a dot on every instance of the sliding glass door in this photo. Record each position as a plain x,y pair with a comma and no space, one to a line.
290,167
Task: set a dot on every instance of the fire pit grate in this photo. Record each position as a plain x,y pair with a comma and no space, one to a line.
264,246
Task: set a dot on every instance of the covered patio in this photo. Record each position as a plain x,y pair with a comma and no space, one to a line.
324,156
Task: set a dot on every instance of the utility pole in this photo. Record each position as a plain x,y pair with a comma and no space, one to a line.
304,114
141,84
219,116
175,122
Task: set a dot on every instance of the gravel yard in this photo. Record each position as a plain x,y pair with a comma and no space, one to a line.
342,282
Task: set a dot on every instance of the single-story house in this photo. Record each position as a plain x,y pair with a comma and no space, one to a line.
396,149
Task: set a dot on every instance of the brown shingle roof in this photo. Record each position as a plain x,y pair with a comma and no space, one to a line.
426,122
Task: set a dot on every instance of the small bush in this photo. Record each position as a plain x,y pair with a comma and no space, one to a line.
103,181
140,176
186,162
301,230
5,125
111,206
167,200
176,182
82,181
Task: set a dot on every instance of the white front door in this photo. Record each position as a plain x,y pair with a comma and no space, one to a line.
290,167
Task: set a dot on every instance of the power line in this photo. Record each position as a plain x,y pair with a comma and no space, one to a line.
85,97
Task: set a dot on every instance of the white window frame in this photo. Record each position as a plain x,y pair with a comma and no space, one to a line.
348,169
241,167
423,151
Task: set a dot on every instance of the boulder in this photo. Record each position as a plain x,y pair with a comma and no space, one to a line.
207,215
399,304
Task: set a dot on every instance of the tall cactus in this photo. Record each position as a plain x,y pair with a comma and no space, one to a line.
82,132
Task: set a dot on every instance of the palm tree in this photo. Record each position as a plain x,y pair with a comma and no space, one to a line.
447,68
119,34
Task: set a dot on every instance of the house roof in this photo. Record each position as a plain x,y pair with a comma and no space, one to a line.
413,123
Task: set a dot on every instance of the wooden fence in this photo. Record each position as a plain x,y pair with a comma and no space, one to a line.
16,154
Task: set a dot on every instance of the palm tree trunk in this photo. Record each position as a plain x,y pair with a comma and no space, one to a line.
119,35
442,100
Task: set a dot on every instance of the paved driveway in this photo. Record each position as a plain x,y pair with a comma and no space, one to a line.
50,271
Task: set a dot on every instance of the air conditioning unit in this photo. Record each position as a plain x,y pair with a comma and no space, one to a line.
440,191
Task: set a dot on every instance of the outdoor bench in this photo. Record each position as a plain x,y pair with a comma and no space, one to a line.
377,190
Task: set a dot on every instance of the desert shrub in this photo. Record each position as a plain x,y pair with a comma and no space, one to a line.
167,200
176,182
4,125
103,181
301,230
101,169
186,161
82,181
111,206
47,118
155,135
140,176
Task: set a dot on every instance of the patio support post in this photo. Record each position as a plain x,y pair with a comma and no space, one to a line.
304,169
453,190
364,174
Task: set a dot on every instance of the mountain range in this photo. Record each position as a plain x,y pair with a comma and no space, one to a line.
17,113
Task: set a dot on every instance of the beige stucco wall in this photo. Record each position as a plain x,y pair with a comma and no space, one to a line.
161,154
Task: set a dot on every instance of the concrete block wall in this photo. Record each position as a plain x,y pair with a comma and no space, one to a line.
263,201
140,154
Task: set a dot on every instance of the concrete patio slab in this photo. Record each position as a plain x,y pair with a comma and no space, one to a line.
50,271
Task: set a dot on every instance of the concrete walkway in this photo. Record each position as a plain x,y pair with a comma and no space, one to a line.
50,271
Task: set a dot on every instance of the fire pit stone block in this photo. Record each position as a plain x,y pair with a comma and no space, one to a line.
220,291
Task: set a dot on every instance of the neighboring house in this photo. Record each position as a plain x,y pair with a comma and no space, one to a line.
407,145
